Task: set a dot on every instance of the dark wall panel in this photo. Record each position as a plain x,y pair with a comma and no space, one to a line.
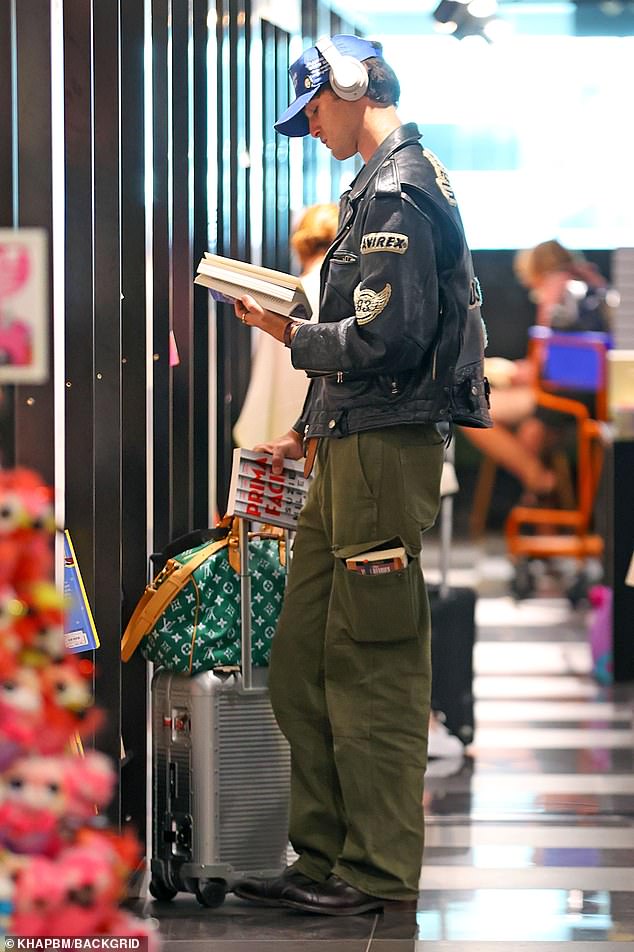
161,237
7,430
79,257
234,233
276,191
34,420
182,266
133,400
108,421
6,121
201,243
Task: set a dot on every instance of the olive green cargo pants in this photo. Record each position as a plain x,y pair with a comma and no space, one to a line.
350,665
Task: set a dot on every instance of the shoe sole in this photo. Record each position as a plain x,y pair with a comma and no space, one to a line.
374,905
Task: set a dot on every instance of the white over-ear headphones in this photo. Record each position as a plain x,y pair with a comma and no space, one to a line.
348,76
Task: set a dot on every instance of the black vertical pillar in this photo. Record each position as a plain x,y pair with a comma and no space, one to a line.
107,384
276,170
133,397
161,289
78,279
7,139
234,238
6,116
182,272
201,243
34,408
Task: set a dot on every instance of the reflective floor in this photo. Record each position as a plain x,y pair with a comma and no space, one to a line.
530,838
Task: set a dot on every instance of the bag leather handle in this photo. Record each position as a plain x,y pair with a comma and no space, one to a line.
159,593
174,576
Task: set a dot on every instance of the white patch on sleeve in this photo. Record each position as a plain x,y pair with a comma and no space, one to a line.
384,241
442,178
368,304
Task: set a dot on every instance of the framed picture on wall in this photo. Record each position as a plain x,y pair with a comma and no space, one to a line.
23,305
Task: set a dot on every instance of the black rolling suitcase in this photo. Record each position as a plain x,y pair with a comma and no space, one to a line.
452,641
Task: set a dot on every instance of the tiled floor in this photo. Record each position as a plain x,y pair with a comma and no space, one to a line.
530,840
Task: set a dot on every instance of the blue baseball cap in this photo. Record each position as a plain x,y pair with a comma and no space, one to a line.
310,72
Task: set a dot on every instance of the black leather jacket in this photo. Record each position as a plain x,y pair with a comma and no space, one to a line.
400,338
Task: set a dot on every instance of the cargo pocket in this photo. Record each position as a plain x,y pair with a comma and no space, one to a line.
381,608
421,467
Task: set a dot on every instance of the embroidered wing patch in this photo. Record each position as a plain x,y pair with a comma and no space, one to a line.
368,304
442,178
384,241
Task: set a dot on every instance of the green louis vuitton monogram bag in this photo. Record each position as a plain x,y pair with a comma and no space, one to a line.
188,619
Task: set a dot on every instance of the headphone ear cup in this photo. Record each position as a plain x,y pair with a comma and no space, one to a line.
349,79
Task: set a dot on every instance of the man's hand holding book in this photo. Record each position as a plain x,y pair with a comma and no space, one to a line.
254,315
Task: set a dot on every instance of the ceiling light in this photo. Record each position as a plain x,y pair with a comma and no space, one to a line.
482,8
462,19
450,26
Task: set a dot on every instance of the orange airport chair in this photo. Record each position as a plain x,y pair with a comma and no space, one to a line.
576,362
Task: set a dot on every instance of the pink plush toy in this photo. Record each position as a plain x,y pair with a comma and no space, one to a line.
43,800
26,524
39,891
67,698
32,802
21,711
91,892
89,784
39,627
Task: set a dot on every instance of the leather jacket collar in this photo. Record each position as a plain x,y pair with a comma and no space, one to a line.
403,135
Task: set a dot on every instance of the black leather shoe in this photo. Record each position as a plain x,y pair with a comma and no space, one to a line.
332,898
269,892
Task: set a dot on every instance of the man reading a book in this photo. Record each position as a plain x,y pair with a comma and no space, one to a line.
398,349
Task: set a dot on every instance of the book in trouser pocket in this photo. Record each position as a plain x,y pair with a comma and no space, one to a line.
378,561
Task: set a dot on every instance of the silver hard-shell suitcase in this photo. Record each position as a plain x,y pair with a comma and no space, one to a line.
221,775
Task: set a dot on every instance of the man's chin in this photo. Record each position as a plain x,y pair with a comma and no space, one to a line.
342,154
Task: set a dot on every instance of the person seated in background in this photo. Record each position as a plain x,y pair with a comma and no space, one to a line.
277,391
566,290
570,295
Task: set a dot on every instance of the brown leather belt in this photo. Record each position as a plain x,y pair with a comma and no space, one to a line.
310,453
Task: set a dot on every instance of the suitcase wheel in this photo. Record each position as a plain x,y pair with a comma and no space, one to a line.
161,891
211,892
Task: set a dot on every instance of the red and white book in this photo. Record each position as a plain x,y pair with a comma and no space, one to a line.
257,493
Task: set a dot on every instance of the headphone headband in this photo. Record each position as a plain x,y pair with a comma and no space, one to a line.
348,76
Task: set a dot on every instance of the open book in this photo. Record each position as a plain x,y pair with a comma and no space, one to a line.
228,279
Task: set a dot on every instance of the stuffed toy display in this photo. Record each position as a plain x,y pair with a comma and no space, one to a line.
62,872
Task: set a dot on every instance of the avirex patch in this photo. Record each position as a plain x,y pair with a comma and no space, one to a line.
368,304
384,241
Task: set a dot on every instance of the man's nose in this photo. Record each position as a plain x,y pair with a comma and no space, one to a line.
313,127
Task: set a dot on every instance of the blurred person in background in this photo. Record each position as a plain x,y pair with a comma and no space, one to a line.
570,295
277,391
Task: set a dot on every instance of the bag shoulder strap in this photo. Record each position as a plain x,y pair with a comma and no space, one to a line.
158,595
